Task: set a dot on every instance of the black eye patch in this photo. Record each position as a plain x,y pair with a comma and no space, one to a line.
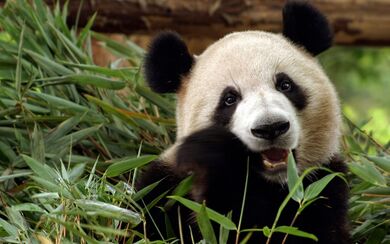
292,91
228,101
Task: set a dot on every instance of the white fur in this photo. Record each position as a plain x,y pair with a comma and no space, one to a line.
256,109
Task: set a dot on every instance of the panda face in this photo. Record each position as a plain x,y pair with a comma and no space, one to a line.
267,89
269,93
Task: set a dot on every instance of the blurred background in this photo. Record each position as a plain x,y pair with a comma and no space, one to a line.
362,77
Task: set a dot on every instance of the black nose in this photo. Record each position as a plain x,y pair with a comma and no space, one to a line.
271,131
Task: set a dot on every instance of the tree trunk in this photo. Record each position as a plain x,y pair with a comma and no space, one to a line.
355,22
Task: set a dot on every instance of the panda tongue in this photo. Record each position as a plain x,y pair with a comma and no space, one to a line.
275,155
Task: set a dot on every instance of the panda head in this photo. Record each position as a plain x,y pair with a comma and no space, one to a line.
268,89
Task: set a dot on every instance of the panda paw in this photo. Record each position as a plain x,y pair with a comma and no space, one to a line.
212,149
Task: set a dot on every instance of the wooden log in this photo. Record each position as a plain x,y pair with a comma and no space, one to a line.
355,22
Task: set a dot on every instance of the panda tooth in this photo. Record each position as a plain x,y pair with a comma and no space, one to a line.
268,164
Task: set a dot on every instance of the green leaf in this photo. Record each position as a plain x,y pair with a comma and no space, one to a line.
106,230
49,65
72,48
62,129
181,189
382,161
124,166
16,218
10,229
51,186
205,226
293,178
144,191
119,48
354,145
213,215
95,80
315,188
18,77
109,210
156,99
7,151
40,169
72,138
294,231
38,145
28,207
121,73
367,171
76,172
59,103
224,233
16,175
86,30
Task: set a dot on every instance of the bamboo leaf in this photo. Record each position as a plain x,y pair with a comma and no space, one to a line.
62,129
121,73
109,211
38,145
156,99
72,138
213,215
12,176
205,226
52,186
86,30
382,162
123,166
40,169
48,65
295,231
315,188
119,48
144,191
367,171
10,229
18,77
72,48
292,178
28,207
60,103
95,80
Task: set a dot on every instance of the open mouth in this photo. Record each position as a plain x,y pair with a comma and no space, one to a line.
275,159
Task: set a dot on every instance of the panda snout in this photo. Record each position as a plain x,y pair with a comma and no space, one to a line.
271,131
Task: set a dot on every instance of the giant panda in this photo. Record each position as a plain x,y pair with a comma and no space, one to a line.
251,98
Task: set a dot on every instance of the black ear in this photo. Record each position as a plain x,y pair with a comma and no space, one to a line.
306,26
167,61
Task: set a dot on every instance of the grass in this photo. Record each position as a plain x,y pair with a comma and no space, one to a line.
71,145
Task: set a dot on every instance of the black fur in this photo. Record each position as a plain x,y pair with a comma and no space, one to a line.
296,95
306,26
218,160
223,113
167,61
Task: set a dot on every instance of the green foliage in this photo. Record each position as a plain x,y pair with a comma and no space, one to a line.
361,76
369,180
71,144
61,117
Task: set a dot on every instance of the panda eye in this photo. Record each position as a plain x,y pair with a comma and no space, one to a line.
283,83
230,99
